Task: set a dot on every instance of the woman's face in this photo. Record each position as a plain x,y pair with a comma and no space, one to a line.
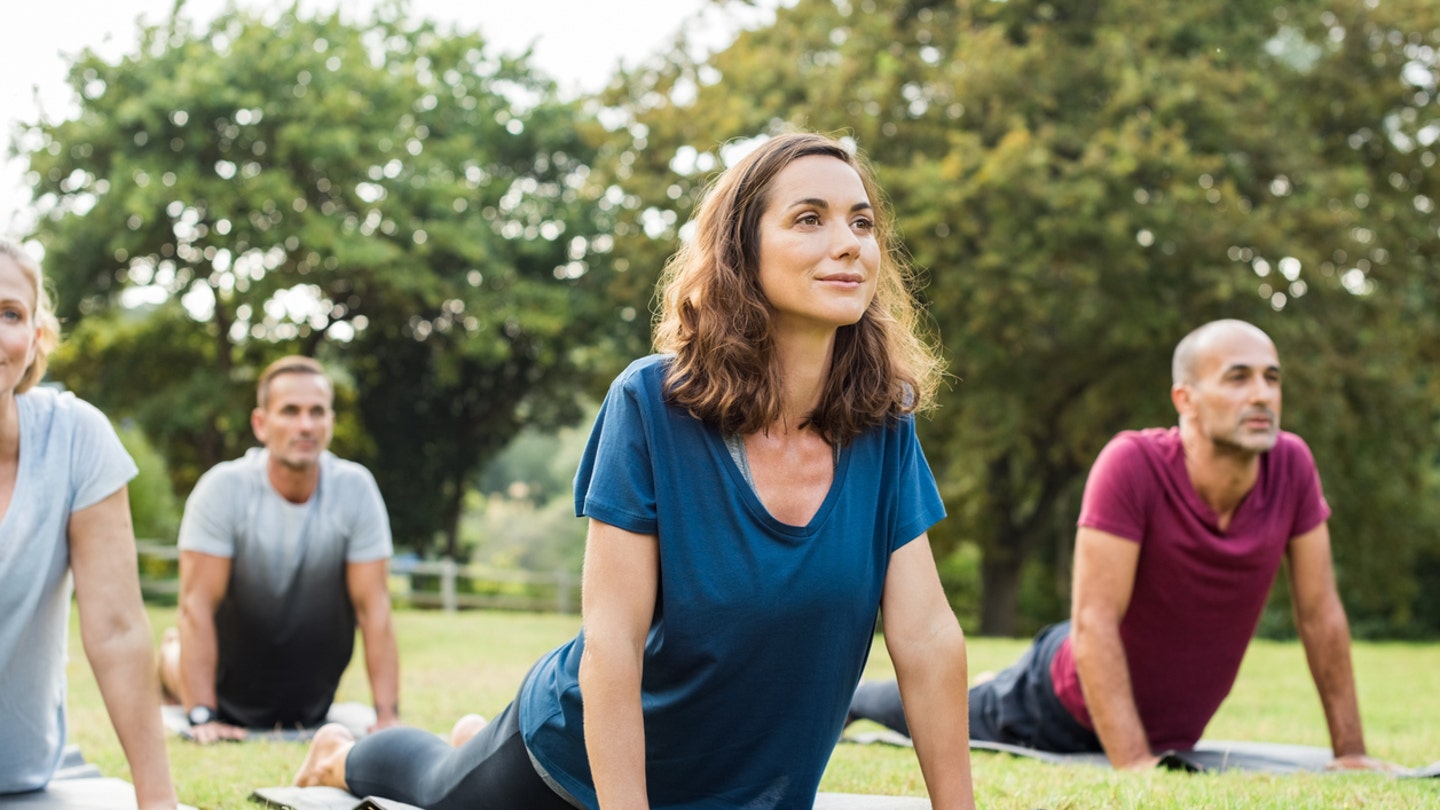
818,254
18,333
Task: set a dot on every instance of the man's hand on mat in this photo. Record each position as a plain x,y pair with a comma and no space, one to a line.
1363,762
384,722
207,733
1145,763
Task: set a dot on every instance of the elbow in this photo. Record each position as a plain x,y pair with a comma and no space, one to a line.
191,608
603,663
943,648
1090,629
119,635
374,611
1325,617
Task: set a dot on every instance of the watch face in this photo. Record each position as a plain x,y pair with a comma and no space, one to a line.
200,715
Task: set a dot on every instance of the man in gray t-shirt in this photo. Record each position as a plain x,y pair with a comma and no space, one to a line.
283,553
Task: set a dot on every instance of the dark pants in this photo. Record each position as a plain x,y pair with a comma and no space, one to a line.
1017,707
490,772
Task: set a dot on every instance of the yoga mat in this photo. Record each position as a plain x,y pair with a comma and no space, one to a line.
77,785
325,798
93,793
322,798
1208,756
357,717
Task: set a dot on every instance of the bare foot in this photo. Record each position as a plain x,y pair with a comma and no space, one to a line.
325,763
466,727
167,667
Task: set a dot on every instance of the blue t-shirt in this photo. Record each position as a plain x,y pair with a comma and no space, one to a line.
761,628
70,458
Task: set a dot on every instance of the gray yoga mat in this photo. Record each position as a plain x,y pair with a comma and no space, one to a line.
93,793
77,785
1209,756
357,717
324,798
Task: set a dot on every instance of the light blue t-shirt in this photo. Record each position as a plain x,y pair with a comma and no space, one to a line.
761,629
70,458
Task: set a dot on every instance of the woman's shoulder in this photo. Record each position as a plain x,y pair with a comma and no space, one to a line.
50,407
644,374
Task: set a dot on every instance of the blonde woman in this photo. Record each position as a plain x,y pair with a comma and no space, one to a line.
63,476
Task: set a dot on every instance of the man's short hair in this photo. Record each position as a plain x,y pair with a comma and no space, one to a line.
290,364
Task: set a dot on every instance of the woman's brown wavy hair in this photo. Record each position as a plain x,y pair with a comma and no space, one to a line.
716,321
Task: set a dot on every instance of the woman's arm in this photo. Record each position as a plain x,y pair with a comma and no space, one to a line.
928,649
117,638
617,605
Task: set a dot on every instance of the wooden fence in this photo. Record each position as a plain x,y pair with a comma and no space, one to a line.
442,584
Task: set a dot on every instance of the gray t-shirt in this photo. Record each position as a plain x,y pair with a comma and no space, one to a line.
70,458
286,627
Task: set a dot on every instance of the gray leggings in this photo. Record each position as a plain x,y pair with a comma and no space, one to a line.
1018,707
492,771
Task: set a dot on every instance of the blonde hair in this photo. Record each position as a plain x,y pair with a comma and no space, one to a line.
717,322
42,313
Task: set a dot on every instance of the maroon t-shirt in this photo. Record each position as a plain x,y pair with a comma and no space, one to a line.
1198,590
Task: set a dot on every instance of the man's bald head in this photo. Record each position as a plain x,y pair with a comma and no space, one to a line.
1185,365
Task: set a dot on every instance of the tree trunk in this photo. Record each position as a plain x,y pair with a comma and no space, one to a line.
453,502
999,592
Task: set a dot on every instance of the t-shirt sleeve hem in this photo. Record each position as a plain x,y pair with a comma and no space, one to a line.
1321,518
619,518
912,530
99,491
367,556
222,550
1118,530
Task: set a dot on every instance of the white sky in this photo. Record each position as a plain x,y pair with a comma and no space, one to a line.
578,42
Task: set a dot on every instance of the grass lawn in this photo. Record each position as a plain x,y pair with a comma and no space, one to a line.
452,664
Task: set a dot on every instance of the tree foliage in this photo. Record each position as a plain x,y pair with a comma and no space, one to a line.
391,196
1085,182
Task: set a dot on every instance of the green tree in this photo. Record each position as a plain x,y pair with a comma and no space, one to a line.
393,197
154,510
1085,182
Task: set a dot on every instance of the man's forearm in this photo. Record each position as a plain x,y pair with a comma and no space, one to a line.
199,652
382,662
1110,699
1327,650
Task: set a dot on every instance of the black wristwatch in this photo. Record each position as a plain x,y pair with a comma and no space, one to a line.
200,715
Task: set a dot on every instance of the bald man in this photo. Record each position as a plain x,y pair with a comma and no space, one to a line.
1181,533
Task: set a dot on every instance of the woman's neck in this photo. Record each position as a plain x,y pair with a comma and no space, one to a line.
804,368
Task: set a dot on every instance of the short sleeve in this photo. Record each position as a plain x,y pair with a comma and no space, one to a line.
370,538
615,482
917,495
206,525
1111,503
1311,508
99,464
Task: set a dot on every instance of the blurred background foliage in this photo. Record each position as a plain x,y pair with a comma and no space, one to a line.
1078,184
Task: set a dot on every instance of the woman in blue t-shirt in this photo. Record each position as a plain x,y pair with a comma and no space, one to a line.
64,511
754,494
